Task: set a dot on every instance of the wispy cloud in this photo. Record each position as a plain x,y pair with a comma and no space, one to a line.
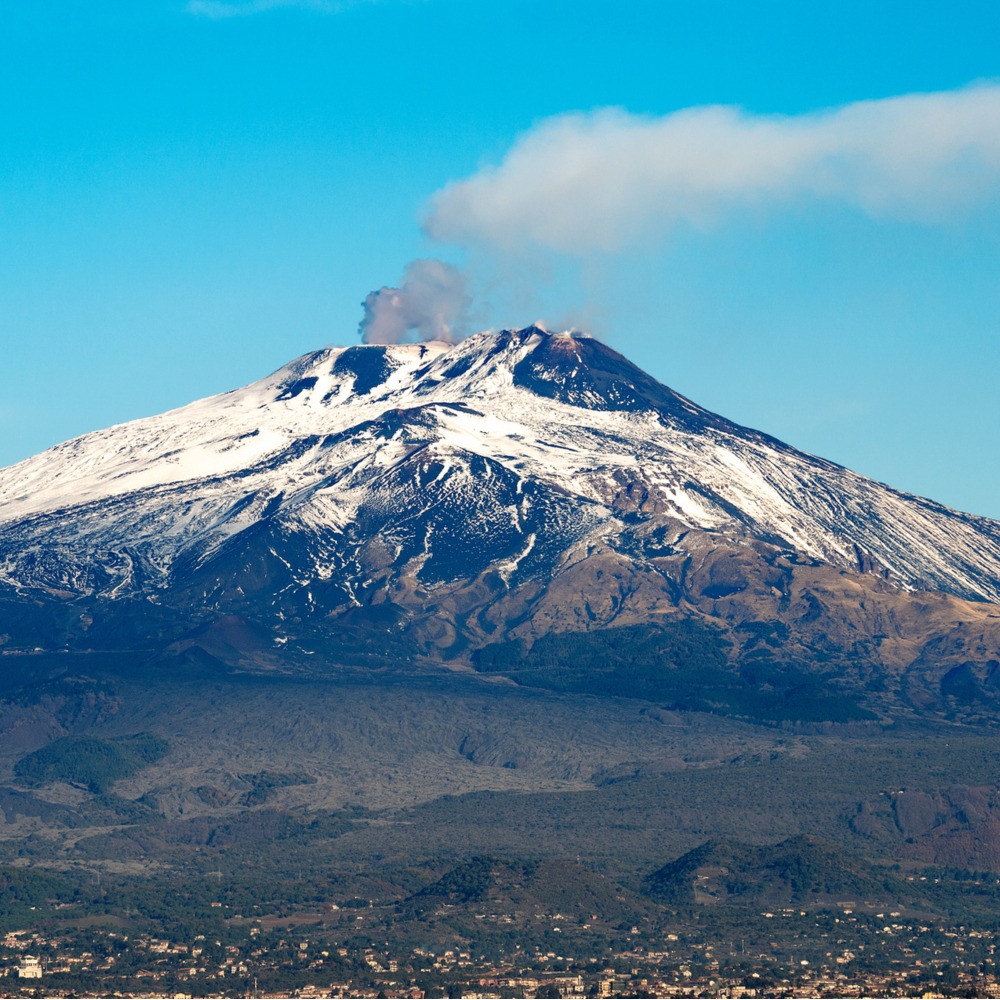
580,183
217,9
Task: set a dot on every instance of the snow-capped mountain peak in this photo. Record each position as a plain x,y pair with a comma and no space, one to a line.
359,468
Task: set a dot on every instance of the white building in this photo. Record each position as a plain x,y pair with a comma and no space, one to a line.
30,968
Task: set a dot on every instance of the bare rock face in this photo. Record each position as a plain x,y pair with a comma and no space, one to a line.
417,503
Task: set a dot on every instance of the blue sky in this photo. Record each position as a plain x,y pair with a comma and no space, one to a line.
191,194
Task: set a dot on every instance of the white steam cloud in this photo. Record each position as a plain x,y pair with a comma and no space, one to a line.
432,303
584,183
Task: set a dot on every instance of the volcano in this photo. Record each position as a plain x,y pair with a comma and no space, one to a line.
427,502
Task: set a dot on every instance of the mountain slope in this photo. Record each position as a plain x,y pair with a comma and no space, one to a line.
514,484
338,434
800,871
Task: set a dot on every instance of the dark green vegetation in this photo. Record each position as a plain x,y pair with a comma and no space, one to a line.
93,763
682,665
800,871
552,886
264,784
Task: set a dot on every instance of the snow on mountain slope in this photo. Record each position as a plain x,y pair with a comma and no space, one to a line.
437,463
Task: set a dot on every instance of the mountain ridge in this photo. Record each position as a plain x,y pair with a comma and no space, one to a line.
370,396
427,500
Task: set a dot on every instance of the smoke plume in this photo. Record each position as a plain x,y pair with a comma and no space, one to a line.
432,303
